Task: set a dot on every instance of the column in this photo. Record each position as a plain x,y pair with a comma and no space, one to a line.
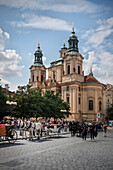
74,101
96,103
65,70
71,66
71,99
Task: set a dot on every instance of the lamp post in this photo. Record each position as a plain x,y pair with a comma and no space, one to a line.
11,103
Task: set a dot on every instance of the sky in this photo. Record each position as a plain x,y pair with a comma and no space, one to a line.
25,22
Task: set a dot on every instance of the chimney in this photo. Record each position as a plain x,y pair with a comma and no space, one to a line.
7,86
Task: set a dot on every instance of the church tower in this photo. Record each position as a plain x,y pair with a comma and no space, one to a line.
37,70
73,60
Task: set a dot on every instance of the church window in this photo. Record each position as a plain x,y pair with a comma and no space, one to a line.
74,70
79,100
73,44
68,99
41,78
33,78
37,78
78,69
64,54
79,88
68,69
53,74
67,88
100,106
90,104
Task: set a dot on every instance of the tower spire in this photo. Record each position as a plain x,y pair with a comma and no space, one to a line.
91,73
38,55
72,26
73,41
38,43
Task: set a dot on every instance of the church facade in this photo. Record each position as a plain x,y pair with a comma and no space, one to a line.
84,93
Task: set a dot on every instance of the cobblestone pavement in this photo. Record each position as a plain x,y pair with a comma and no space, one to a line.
59,153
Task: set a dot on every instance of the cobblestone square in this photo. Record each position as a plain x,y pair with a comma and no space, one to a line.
59,153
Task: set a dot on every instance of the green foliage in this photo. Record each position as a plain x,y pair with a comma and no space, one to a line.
54,106
3,107
31,103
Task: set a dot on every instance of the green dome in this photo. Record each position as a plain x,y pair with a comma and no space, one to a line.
38,50
72,36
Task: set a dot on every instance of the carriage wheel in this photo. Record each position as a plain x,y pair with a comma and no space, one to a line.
13,136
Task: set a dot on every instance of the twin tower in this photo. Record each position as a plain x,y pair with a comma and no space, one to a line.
66,76
58,68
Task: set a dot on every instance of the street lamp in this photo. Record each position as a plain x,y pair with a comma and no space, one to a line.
11,104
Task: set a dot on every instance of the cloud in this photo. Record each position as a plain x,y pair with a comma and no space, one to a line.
97,36
101,56
1,39
6,35
9,59
88,62
75,6
44,58
12,86
42,22
3,81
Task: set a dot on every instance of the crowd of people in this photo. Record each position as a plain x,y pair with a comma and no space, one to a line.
36,128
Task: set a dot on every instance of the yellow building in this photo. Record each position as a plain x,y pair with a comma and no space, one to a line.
108,97
66,76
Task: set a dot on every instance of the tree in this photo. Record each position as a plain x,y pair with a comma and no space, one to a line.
3,106
54,106
29,102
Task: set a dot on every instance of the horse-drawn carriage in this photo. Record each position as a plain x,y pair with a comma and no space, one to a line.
8,133
53,129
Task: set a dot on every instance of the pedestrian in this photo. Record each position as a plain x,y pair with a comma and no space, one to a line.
96,130
105,129
84,131
92,130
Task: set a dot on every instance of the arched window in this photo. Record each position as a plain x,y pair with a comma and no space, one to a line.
41,78
90,104
68,69
79,100
37,78
79,88
78,69
33,78
100,106
74,70
53,74
68,99
67,88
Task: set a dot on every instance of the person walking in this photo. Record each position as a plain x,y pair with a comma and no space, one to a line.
105,129
84,132
92,130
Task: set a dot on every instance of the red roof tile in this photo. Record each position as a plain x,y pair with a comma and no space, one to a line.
90,79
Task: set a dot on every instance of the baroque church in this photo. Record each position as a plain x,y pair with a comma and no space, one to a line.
84,93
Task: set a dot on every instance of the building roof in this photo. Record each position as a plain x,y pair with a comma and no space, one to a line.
57,62
90,79
7,92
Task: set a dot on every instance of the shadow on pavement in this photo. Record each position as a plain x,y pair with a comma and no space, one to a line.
3,145
48,139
